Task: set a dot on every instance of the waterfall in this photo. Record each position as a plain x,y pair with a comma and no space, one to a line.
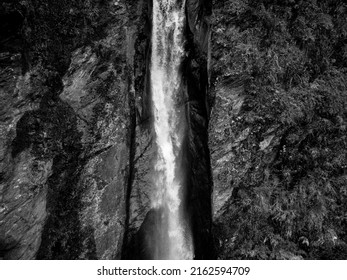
173,240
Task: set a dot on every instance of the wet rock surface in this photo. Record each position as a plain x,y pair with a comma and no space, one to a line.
198,202
266,144
197,86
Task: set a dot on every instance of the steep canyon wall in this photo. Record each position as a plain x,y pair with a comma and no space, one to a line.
76,135
265,151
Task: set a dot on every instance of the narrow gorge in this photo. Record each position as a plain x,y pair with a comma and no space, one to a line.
170,188
173,129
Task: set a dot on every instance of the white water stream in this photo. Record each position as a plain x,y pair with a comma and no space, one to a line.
174,239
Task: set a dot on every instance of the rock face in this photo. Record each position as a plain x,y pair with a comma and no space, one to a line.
266,144
66,140
197,81
278,145
199,182
23,171
76,131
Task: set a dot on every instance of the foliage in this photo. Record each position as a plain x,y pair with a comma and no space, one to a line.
292,54
54,29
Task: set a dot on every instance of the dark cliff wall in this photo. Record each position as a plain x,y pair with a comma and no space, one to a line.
266,108
197,86
142,154
277,129
195,75
67,107
76,134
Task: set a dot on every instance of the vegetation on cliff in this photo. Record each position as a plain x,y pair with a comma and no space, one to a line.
287,196
50,30
292,58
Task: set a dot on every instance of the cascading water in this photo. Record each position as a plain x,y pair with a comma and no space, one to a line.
173,240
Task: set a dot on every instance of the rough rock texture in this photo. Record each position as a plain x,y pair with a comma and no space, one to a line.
266,145
196,151
140,186
277,130
66,132
228,102
99,86
24,164
76,129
